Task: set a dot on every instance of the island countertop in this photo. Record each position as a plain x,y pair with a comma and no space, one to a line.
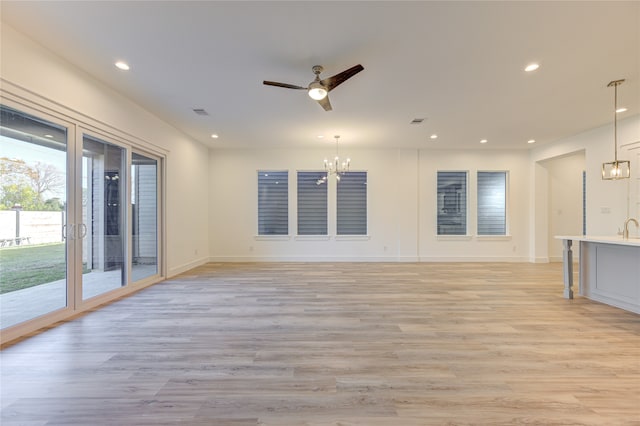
616,239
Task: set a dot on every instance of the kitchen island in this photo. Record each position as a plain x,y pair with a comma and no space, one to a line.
609,270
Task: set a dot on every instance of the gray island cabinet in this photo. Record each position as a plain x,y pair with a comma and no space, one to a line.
609,270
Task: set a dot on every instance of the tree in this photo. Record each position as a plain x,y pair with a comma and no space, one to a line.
26,185
19,194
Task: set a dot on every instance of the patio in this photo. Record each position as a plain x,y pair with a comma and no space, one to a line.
22,305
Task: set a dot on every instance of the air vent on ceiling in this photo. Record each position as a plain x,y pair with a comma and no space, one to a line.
200,111
417,120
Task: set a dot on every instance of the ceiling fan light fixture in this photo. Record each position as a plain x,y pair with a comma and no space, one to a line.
317,91
532,67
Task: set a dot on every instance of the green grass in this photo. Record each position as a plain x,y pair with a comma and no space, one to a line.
28,266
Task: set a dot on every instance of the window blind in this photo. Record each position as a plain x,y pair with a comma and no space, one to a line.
312,204
492,207
273,203
452,203
352,204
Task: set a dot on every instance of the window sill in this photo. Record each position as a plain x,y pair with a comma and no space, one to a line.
312,237
271,237
454,237
493,237
352,237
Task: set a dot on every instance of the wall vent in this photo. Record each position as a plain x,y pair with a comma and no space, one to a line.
200,111
417,120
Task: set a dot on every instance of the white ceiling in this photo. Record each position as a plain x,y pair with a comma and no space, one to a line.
457,64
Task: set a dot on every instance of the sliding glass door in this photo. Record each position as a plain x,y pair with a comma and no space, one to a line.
79,218
103,219
35,250
144,214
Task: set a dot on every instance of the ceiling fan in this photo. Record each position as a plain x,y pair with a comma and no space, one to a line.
319,89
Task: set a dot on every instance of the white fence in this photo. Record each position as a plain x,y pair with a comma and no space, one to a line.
28,227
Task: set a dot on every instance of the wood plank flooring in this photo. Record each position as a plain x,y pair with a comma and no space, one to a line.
399,344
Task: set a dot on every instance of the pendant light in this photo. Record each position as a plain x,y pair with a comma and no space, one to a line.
617,169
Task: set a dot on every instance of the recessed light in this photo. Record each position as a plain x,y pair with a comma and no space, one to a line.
433,136
214,136
320,136
531,141
483,141
122,65
622,109
531,67
48,136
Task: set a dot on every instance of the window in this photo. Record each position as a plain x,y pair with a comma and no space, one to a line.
273,203
352,204
492,203
452,203
312,204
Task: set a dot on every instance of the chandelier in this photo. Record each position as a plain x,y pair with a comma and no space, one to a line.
335,167
616,169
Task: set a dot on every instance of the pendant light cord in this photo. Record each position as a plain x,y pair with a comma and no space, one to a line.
615,121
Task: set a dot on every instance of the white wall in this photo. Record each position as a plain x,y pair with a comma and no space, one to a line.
233,206
514,246
401,206
43,78
607,201
565,199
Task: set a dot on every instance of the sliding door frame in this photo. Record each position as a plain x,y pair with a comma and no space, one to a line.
77,125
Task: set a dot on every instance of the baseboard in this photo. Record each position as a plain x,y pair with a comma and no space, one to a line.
172,272
539,260
222,259
498,259
319,259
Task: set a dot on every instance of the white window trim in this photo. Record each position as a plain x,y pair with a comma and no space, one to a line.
352,237
493,237
346,237
507,185
312,237
271,237
454,237
445,237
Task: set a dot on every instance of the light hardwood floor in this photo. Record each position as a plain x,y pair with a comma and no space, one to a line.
399,344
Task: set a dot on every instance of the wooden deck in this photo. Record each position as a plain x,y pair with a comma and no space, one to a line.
334,344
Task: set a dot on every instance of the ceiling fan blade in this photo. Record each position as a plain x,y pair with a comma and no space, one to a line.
332,82
324,103
285,85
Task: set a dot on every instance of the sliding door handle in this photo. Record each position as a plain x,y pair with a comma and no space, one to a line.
83,230
68,231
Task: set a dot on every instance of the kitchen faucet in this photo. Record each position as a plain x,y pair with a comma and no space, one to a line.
625,233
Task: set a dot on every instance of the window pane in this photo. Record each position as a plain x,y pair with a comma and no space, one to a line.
492,219
144,207
33,217
352,204
312,203
103,211
452,203
273,203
